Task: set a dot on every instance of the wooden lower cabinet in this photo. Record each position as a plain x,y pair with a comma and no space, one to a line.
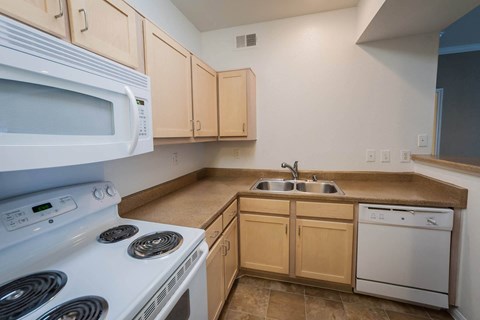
222,268
230,239
324,250
264,243
215,280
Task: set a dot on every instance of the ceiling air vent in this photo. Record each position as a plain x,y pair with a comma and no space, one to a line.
245,41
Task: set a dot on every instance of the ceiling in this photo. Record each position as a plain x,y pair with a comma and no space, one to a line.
209,15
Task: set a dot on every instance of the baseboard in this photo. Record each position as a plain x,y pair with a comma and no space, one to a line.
456,314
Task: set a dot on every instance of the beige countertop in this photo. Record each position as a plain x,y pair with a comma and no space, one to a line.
196,205
199,202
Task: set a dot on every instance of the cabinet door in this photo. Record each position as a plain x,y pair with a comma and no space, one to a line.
232,103
324,250
168,65
231,259
204,90
106,27
47,15
264,243
215,280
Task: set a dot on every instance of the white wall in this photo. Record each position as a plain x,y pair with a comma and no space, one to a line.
367,9
469,281
132,174
168,18
322,99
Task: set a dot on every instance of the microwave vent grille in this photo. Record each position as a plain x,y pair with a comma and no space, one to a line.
30,41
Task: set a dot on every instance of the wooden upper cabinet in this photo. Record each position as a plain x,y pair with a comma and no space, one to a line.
168,65
204,90
237,105
47,15
107,27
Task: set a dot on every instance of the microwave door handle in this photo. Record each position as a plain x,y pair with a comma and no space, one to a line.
134,121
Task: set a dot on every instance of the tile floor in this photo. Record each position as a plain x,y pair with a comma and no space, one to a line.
260,299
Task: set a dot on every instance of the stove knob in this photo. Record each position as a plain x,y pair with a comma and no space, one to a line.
110,191
98,194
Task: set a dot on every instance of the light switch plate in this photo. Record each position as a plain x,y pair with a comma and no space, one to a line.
385,156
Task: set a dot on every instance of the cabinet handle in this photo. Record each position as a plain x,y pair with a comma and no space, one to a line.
192,125
85,19
243,127
215,234
224,250
286,229
60,5
299,228
199,125
233,213
228,245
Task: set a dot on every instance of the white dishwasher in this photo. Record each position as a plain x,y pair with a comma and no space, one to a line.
404,253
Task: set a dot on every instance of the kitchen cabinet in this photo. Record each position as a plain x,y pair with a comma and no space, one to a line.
237,105
324,248
264,234
168,65
107,27
231,258
222,260
204,91
48,15
184,90
215,280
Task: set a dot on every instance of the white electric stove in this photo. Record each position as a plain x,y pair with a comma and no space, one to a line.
66,254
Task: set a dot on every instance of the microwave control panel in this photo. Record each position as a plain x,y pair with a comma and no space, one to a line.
28,215
142,113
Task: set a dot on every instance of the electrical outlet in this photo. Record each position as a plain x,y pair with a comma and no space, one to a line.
236,153
405,155
422,140
175,159
370,155
385,154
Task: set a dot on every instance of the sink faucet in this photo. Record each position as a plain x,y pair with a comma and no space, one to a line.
293,169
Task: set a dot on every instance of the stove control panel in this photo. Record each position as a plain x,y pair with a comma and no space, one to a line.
28,215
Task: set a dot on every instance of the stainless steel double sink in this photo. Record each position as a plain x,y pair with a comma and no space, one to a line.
303,186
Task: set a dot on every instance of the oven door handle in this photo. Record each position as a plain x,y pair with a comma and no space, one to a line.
135,119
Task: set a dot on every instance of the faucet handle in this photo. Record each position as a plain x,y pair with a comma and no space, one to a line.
314,177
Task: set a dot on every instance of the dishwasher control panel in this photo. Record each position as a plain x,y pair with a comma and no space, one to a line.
420,217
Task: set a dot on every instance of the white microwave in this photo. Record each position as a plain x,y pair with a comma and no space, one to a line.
62,105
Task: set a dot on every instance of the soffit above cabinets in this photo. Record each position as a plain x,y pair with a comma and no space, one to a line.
209,15
396,18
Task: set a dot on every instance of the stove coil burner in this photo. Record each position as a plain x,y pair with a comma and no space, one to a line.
117,234
83,308
24,295
155,245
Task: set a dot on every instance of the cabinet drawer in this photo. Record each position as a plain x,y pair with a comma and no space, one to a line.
265,206
325,210
214,231
230,213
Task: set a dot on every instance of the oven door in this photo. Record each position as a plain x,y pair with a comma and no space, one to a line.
190,300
